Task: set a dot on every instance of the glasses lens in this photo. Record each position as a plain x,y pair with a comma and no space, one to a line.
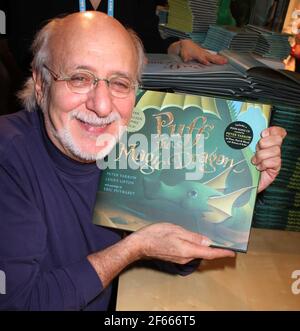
81,82
120,86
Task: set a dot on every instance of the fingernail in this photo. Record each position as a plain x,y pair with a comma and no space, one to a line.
206,242
253,160
265,133
258,167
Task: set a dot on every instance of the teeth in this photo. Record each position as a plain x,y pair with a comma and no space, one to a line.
93,124
97,121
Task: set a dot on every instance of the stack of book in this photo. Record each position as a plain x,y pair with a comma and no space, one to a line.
268,84
169,72
242,77
192,15
271,44
263,42
229,37
279,205
197,37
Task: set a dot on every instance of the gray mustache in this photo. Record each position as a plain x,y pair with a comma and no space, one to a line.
93,119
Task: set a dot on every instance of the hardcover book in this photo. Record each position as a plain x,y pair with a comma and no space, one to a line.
185,159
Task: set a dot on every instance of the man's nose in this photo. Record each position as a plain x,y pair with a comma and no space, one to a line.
99,99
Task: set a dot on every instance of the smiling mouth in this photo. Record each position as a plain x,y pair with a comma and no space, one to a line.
93,128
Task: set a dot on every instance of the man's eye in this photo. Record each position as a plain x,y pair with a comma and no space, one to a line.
120,84
80,79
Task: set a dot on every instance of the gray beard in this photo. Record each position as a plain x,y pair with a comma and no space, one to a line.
64,135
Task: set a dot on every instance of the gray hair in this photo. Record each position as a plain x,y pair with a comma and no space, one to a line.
41,56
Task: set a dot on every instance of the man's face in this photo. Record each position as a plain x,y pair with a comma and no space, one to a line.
75,121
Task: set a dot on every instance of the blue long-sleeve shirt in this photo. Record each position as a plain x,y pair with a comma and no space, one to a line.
46,232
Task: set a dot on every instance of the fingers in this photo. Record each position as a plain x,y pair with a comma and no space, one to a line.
216,58
185,251
191,51
208,253
207,58
269,141
196,246
268,149
168,230
267,158
266,153
274,131
273,164
173,243
193,237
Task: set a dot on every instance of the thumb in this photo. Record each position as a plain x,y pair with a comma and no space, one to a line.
265,133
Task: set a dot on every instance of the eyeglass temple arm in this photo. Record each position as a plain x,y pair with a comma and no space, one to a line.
54,75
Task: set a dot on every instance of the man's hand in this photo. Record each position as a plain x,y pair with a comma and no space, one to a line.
163,241
267,158
188,51
169,242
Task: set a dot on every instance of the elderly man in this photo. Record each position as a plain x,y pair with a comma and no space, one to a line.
85,71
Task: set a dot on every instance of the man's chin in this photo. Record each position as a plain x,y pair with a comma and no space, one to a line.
82,152
104,151
96,144
93,154
84,157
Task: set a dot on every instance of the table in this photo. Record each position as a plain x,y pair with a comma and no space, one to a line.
259,280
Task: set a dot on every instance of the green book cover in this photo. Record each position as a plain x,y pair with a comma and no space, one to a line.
185,159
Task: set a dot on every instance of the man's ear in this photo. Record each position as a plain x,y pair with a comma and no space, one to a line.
38,86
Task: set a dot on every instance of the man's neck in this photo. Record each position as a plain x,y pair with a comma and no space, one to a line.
95,3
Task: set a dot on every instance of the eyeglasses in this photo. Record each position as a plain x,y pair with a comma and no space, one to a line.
84,81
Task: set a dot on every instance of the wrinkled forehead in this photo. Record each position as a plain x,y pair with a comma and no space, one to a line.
95,45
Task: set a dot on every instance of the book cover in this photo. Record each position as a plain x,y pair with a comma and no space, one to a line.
185,159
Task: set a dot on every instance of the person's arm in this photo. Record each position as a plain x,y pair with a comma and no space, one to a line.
163,241
23,248
141,17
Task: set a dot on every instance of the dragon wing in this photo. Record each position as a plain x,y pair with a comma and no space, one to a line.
222,205
219,182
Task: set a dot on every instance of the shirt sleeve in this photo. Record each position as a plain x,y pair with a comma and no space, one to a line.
23,246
